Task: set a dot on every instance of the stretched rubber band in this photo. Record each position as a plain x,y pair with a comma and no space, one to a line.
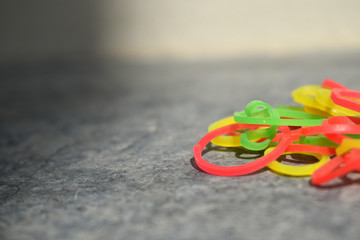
296,170
241,169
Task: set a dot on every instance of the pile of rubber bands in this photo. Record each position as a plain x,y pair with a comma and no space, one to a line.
326,127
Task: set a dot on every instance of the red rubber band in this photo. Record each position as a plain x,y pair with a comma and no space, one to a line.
240,169
340,97
329,83
334,125
311,149
337,167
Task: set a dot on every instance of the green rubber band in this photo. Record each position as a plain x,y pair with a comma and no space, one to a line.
246,138
254,108
317,140
261,116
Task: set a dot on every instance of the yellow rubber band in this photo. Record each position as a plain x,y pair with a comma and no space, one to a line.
316,111
323,97
318,97
225,141
296,170
346,145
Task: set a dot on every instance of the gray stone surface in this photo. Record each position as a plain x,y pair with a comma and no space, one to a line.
103,150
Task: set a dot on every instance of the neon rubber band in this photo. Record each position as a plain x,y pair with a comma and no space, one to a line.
338,166
331,84
232,139
253,108
318,140
341,98
324,98
225,141
317,97
311,148
347,120
347,145
316,111
251,116
241,169
296,170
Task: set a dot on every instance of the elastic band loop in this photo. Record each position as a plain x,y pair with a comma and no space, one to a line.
347,145
296,170
241,169
338,166
341,98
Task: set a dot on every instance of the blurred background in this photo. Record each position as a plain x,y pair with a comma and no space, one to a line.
175,30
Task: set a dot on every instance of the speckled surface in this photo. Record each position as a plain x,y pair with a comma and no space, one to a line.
103,150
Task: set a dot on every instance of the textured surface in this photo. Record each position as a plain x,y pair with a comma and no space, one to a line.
103,150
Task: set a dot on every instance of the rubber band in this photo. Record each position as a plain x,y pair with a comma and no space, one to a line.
328,124
253,108
324,98
318,97
296,170
241,169
331,129
305,95
250,116
341,98
337,167
225,141
347,145
232,139
316,111
331,84
318,140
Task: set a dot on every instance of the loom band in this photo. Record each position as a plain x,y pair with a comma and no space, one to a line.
233,138
294,135
324,97
241,118
290,112
318,140
306,95
347,145
338,166
316,111
342,97
296,170
240,169
225,141
254,115
287,112
331,84
347,120
254,108
247,137
331,129
311,148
